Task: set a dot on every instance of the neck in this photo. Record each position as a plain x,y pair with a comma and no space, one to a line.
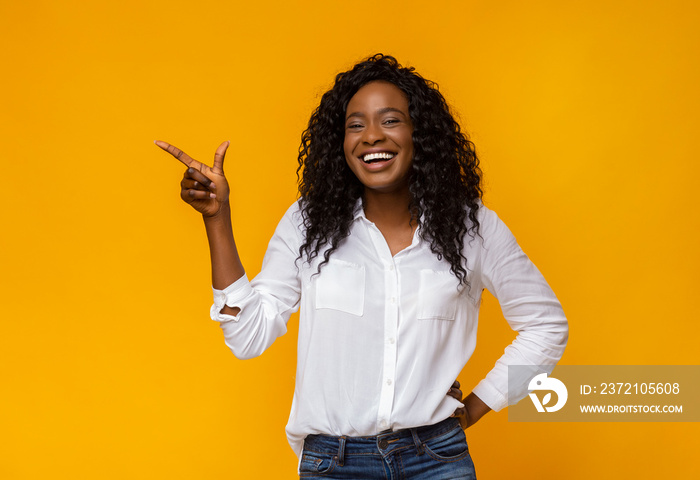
387,208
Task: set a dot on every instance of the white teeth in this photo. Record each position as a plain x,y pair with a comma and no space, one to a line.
377,156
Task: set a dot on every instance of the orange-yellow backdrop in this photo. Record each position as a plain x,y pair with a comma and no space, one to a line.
585,115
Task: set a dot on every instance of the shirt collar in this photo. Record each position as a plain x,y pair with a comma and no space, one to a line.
358,211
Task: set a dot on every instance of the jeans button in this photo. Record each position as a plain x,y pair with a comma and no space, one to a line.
383,443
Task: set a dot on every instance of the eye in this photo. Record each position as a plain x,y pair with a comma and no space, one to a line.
354,126
390,121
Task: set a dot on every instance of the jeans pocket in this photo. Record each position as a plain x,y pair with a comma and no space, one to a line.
316,464
448,447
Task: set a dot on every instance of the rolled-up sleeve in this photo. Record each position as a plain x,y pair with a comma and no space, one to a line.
530,308
266,302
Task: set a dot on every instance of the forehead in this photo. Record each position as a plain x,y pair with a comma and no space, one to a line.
376,95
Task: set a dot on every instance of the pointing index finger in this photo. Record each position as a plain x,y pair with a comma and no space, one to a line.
179,154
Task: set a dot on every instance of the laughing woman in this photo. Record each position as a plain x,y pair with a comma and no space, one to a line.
386,254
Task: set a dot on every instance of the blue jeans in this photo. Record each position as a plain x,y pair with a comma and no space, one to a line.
436,452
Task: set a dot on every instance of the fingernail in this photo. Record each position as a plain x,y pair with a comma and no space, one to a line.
212,185
195,184
212,195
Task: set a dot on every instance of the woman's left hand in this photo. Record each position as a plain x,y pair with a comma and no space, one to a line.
474,408
461,412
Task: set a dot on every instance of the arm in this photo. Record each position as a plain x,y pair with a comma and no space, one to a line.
226,266
530,307
251,314
206,190
264,304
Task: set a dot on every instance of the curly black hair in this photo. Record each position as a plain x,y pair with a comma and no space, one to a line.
444,181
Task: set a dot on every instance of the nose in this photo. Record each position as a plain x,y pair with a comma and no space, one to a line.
373,133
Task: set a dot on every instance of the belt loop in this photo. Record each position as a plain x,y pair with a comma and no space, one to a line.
341,450
416,440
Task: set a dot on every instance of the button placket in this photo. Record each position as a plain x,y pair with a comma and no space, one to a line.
391,319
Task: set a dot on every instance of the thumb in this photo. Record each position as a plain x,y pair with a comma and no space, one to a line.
219,157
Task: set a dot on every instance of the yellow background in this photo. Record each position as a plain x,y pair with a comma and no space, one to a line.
585,115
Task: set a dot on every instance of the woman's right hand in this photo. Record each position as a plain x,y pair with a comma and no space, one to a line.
204,188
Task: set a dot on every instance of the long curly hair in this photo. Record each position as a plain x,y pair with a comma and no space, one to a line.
444,181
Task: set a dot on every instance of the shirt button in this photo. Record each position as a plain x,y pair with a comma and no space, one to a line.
388,381
392,340
383,443
391,268
393,299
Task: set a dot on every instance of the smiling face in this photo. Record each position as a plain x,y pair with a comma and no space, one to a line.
378,137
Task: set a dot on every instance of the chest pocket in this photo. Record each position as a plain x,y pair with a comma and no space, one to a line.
437,295
341,286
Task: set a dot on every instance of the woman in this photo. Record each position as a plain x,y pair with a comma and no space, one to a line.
386,254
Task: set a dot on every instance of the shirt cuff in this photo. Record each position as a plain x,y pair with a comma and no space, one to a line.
490,395
231,296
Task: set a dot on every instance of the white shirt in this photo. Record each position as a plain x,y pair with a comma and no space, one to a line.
382,338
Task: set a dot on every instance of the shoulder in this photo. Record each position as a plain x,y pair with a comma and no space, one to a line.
291,224
489,222
293,213
493,235
486,218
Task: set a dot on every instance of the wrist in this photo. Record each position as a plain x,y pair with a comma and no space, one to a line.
222,215
475,409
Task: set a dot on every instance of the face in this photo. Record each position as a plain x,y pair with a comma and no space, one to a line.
378,137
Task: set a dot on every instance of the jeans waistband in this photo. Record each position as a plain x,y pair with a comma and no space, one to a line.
382,443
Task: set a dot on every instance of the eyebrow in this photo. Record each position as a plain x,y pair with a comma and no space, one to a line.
381,111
